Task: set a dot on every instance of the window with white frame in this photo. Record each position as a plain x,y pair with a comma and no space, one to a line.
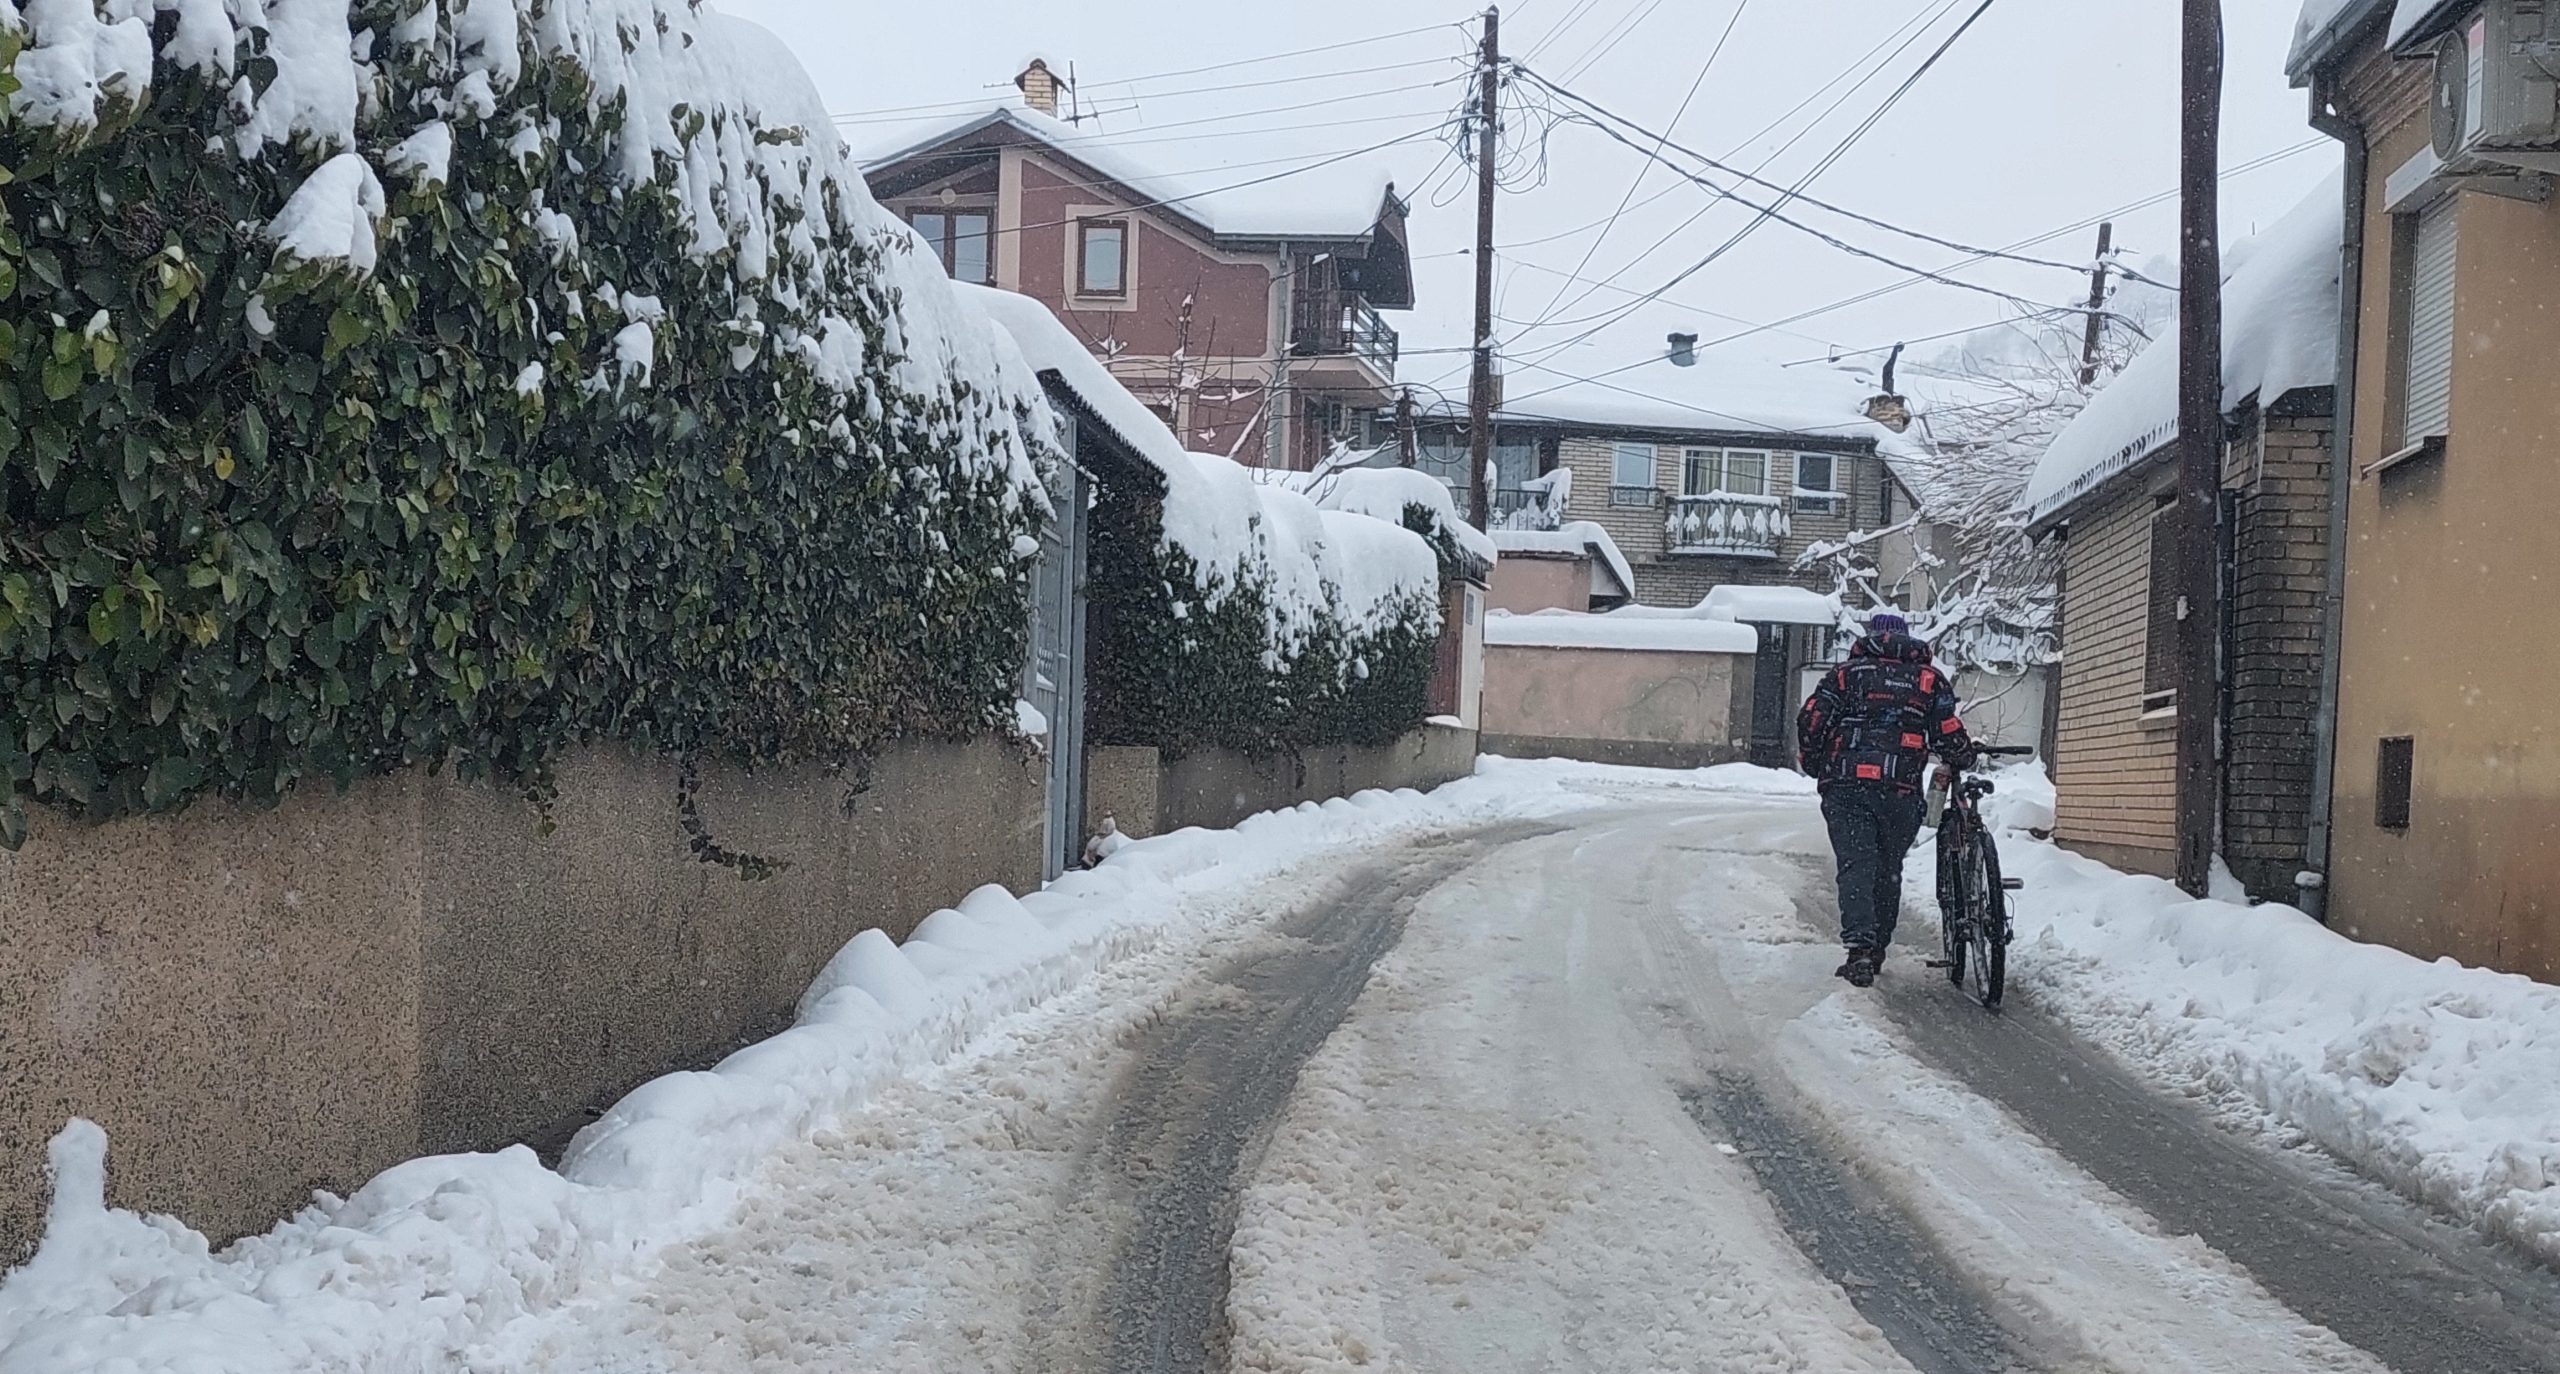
1631,475
1818,484
1733,472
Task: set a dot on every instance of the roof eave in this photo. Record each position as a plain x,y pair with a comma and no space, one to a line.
2332,41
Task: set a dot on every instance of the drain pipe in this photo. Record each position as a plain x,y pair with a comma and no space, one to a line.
2311,886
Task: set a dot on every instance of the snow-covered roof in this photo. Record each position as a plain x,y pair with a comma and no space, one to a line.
1618,630
1577,538
1336,200
1625,379
2409,16
2279,335
2317,31
1772,605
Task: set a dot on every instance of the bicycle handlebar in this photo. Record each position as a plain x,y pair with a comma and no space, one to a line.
2006,750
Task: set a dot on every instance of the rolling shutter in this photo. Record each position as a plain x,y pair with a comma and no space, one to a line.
2429,373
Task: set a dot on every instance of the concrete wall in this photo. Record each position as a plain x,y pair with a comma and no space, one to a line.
1149,794
259,1003
2445,557
1617,705
1526,583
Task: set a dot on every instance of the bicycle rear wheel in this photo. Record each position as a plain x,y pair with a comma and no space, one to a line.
1988,930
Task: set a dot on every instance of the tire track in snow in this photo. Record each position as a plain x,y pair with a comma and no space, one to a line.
1196,1111
2415,1292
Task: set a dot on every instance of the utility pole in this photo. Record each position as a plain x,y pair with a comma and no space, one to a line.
1480,389
1406,442
2097,308
2199,574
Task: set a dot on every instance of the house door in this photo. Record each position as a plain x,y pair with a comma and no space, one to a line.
1054,680
1772,690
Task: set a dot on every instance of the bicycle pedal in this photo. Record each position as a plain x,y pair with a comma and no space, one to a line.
2014,884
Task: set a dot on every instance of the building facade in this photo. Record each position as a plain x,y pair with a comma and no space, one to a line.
2446,788
1252,329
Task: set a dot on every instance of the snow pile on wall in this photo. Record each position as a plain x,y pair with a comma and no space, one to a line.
2434,1077
1384,493
1579,537
1613,630
2279,334
1234,528
429,1265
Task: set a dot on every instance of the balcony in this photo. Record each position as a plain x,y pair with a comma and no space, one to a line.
1725,524
1349,346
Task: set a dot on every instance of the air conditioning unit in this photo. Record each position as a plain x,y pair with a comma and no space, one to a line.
2497,89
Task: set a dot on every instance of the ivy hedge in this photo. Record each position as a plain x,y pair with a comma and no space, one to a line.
1183,661
551,472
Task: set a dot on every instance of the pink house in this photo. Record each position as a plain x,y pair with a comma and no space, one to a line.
1245,315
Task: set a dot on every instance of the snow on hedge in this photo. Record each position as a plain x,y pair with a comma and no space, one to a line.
2432,1076
440,1262
1238,531
717,110
2279,335
1385,493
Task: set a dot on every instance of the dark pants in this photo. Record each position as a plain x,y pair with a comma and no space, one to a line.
1872,829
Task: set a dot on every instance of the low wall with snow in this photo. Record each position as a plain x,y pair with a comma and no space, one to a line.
1148,794
1656,708
256,1003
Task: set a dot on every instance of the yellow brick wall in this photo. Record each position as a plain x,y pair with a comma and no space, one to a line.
2116,773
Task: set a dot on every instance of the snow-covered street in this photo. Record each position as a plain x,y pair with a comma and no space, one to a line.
1599,1106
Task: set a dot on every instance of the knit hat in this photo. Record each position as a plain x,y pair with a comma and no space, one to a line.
1887,623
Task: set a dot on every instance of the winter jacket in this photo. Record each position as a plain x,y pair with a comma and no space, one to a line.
1875,719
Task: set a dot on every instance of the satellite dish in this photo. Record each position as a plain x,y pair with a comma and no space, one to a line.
2452,108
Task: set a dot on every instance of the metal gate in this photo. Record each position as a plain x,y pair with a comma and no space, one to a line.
1054,680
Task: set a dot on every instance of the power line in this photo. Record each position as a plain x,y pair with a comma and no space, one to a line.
1663,140
1906,43
1608,44
1431,132
2147,202
1572,17
913,113
1765,130
1280,56
1637,183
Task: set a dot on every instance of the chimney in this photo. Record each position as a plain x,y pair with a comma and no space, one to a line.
1890,411
1684,350
1039,88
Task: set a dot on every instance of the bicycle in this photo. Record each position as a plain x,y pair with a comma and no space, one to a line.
1973,897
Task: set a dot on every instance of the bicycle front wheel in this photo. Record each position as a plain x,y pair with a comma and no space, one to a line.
1954,898
1988,931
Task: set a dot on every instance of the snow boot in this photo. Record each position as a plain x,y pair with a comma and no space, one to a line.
1861,967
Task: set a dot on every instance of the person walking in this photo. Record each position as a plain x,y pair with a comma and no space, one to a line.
1866,735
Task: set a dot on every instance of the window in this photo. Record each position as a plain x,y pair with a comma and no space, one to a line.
2394,772
1886,505
1817,483
1102,257
1631,475
2426,362
2160,651
1732,471
960,238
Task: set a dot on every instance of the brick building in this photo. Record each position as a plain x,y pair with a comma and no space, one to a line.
1246,316
2107,488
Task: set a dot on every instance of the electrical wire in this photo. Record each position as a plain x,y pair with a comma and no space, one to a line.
1432,131
1616,35
1278,56
1912,38
915,113
1636,184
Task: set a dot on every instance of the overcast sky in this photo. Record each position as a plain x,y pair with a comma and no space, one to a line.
2047,113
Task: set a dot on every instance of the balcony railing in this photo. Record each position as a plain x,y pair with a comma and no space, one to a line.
1725,523
1333,324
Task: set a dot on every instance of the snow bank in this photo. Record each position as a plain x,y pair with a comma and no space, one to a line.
430,1264
1771,605
2279,334
1573,537
1577,630
2433,1077
1383,494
